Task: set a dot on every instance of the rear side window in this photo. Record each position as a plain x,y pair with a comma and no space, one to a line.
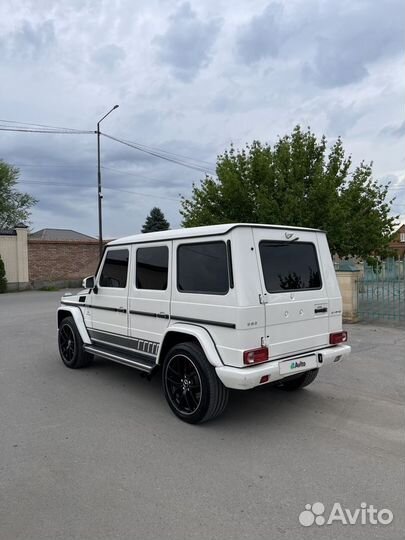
152,264
289,266
202,268
115,269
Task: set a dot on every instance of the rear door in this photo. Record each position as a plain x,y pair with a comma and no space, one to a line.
294,291
149,295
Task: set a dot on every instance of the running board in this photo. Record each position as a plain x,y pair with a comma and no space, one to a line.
143,364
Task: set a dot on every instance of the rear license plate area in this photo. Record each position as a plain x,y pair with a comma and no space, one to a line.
295,365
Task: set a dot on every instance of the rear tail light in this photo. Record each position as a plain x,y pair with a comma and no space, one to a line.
255,356
337,337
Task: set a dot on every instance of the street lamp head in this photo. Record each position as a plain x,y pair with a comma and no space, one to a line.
109,112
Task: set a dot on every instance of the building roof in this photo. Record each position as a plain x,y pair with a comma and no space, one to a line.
210,230
7,232
59,235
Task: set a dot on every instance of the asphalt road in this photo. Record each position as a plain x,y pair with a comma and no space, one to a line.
97,454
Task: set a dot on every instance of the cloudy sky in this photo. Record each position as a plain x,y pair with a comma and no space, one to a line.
190,78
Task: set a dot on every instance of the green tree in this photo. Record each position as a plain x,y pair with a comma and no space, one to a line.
156,221
14,206
3,279
297,182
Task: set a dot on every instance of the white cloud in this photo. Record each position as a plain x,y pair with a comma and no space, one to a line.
190,78
187,42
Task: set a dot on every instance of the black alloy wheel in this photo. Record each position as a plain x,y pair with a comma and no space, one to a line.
191,385
183,384
67,343
71,345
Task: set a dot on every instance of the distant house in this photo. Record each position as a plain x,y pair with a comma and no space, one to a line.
398,243
59,235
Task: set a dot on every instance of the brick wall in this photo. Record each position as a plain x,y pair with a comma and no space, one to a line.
61,262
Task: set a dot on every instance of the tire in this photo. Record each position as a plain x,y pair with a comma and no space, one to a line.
191,386
296,382
71,345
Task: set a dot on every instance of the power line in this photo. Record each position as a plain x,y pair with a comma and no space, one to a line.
141,148
127,173
158,152
159,155
135,175
115,188
38,125
65,166
80,186
68,167
59,132
168,153
143,194
178,159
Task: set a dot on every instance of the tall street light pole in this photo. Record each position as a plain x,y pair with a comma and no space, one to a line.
100,195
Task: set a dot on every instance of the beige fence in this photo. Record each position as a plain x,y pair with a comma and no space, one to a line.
14,252
348,289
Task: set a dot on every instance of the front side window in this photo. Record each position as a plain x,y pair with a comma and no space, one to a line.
115,269
203,268
152,266
289,266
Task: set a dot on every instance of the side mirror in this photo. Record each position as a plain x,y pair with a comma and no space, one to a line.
88,282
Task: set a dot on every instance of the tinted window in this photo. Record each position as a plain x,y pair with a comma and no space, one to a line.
289,266
115,269
203,268
152,265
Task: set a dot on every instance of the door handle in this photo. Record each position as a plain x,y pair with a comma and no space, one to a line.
121,310
162,315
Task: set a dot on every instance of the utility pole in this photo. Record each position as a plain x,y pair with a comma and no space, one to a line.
99,192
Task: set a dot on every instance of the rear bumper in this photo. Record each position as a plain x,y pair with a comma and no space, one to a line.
249,377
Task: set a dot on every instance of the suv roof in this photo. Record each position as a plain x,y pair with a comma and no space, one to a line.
210,230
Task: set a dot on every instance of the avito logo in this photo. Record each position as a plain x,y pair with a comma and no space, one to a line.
295,364
314,513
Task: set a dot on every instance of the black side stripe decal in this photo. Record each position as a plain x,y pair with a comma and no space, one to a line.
72,303
150,314
105,308
161,316
183,319
204,321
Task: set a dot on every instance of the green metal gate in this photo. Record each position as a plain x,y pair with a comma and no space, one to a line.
381,292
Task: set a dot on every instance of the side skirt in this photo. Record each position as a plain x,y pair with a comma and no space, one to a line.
147,365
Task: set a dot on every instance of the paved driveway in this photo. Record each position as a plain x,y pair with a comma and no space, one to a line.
97,454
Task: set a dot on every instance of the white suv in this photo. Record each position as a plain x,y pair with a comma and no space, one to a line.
226,306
